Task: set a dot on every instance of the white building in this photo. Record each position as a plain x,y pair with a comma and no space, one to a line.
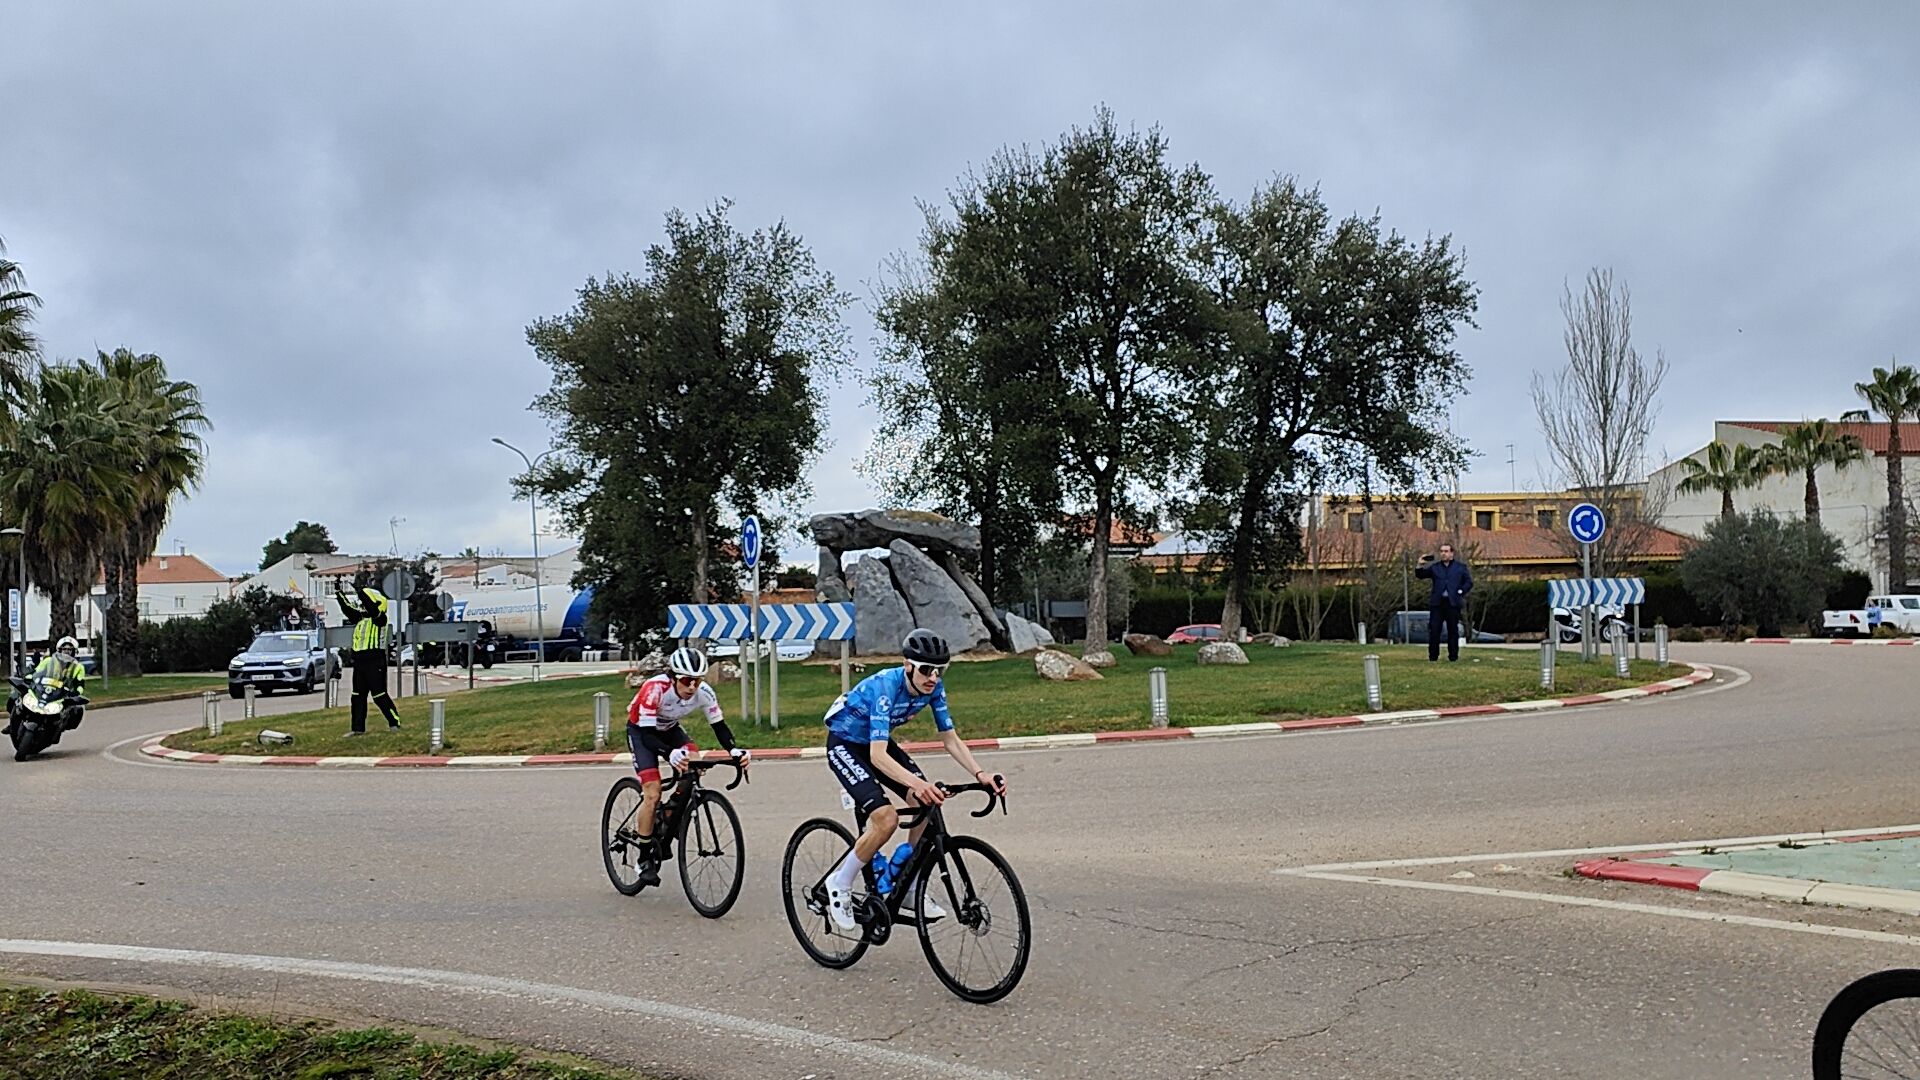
171,585
1852,500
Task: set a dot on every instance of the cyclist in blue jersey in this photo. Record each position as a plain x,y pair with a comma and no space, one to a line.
864,757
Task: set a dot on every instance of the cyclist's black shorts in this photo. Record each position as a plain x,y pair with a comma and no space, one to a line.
852,765
652,745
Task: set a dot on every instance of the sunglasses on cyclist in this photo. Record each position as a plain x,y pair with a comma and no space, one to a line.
686,680
929,671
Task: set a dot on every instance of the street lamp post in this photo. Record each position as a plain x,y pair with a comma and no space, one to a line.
21,534
539,607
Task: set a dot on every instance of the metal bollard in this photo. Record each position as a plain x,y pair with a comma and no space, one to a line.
602,718
437,735
1372,666
1660,644
1360,633
248,693
1548,655
210,712
1157,695
1619,644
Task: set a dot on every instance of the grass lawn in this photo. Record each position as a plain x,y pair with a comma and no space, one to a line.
75,1034
138,686
993,698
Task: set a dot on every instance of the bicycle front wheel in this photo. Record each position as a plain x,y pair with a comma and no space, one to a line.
979,948
817,847
619,843
713,854
1871,1030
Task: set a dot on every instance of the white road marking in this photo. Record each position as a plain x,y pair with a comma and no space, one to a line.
1621,905
889,1061
1678,846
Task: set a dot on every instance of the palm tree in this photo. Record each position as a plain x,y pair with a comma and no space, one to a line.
68,476
18,347
163,421
1804,447
1895,395
1728,468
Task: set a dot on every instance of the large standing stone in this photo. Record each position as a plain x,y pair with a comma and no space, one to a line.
1221,652
1043,635
880,528
830,586
937,602
1060,667
996,629
1146,645
1020,635
880,615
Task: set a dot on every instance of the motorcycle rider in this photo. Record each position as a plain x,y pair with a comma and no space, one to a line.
61,672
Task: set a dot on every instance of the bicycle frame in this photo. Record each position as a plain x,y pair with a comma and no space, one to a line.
932,845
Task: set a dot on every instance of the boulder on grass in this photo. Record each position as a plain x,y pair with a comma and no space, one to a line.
830,584
1278,641
996,629
1100,658
937,601
1221,652
1020,633
725,671
1146,645
1060,667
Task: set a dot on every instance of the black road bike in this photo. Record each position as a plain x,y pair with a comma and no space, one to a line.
696,819
1871,1030
978,948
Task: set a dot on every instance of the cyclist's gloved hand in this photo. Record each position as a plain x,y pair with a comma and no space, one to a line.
678,758
739,754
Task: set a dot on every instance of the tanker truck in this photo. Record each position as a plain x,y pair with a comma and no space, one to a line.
511,613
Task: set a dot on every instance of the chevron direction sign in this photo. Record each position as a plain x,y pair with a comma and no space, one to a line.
1577,592
806,622
727,622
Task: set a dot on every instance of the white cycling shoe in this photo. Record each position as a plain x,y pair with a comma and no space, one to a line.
934,911
840,907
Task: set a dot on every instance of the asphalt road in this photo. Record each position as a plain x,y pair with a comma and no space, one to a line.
1167,942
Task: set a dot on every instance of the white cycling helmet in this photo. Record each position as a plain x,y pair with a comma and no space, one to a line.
67,645
689,663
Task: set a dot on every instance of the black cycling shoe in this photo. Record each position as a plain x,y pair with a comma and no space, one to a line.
649,873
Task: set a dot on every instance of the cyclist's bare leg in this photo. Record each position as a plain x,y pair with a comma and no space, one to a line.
880,825
649,804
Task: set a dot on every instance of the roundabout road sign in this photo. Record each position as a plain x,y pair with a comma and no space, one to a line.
1587,523
750,541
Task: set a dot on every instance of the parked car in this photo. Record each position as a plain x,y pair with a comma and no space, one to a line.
282,660
1410,628
790,651
1898,610
1195,633
1567,622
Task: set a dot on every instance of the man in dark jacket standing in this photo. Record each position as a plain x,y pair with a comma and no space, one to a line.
367,611
1452,581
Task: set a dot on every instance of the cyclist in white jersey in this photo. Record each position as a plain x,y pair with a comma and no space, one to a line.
654,732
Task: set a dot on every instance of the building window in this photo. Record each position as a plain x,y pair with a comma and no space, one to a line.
1357,522
1430,520
179,603
1483,519
1544,517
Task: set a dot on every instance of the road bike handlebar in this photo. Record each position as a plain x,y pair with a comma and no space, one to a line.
994,798
739,770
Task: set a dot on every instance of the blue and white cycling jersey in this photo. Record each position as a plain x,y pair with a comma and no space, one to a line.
870,711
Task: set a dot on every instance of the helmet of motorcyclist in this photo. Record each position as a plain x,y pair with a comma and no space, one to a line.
67,647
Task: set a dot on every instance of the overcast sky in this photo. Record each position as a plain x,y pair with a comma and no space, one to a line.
326,218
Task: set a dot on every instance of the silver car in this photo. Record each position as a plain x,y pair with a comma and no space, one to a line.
282,660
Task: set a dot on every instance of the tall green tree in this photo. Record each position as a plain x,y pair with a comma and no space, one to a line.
963,393
161,421
305,538
70,475
1895,394
1727,468
19,347
697,384
1801,563
1337,347
1804,448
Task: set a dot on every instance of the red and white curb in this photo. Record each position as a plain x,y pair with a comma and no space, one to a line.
1757,886
1896,642
1700,673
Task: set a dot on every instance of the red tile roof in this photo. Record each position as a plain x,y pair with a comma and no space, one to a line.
1872,435
177,570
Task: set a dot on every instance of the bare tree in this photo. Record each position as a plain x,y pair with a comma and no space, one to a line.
1597,412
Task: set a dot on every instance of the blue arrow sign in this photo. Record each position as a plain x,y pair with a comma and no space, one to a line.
806,622
726,622
750,541
1587,523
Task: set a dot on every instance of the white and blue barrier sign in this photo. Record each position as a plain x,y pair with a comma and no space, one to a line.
1579,592
727,622
806,622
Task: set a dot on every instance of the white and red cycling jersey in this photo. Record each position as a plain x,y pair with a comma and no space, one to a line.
659,705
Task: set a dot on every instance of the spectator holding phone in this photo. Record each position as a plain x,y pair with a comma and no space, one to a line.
1452,581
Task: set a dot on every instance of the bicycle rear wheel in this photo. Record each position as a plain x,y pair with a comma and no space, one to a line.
979,950
713,854
619,843
817,847
1871,1030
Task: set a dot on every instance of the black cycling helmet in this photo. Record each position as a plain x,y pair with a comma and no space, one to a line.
926,647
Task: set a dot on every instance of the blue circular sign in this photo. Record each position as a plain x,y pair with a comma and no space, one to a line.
750,541
1587,523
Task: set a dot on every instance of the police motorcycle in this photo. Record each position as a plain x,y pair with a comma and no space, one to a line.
41,710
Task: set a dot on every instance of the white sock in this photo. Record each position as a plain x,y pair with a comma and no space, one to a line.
843,875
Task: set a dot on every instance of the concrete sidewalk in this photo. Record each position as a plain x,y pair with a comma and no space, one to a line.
1880,872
